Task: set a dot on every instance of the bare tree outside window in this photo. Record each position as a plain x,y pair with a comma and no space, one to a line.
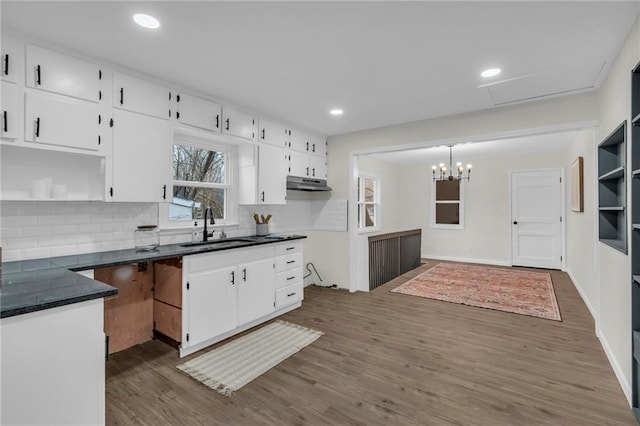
199,177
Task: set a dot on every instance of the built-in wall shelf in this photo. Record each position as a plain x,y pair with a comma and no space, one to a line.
612,199
634,209
613,174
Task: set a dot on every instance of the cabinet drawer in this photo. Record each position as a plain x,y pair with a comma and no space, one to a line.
288,261
288,295
290,277
284,249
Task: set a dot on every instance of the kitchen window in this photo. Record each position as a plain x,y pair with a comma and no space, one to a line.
448,206
368,203
201,177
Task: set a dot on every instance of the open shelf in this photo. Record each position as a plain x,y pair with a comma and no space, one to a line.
636,120
636,278
616,244
636,345
613,174
636,173
611,209
636,226
634,208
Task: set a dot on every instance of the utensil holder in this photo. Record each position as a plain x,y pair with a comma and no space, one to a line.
262,229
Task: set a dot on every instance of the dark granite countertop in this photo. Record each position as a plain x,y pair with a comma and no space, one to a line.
38,284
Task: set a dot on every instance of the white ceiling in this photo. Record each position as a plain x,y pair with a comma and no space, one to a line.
382,62
467,152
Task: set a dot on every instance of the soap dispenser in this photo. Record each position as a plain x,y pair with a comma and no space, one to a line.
195,235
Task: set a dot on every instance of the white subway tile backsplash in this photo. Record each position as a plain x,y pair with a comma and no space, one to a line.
41,229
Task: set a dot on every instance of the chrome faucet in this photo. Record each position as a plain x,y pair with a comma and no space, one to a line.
205,234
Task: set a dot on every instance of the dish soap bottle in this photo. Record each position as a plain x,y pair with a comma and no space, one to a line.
195,235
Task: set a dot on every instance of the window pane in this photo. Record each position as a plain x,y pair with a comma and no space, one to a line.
448,214
370,215
447,190
190,202
369,190
198,165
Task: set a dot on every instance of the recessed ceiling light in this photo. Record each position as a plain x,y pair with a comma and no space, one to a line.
146,21
491,72
335,112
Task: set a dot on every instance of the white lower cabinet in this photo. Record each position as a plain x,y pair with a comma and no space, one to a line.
212,304
229,291
289,276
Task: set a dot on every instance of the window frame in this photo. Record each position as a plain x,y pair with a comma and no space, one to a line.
377,202
230,186
460,203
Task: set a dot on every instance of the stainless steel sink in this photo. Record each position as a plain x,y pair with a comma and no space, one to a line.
227,241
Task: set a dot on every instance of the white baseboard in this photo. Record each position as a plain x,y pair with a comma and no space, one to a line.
465,259
624,384
586,301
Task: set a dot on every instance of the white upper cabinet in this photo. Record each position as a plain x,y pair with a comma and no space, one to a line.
238,123
9,111
317,167
62,74
198,112
318,146
272,175
273,133
299,141
9,60
133,94
141,158
298,164
62,121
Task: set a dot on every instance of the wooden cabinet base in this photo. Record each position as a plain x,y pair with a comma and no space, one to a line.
167,320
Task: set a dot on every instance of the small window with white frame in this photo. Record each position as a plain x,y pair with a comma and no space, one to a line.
368,202
201,177
447,207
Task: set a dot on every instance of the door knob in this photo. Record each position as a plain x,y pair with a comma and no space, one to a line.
515,222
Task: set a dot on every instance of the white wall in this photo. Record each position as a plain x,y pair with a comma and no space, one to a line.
581,226
614,322
486,237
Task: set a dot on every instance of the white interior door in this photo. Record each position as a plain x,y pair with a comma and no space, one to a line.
536,216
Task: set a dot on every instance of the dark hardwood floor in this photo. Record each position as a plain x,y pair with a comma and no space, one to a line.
393,359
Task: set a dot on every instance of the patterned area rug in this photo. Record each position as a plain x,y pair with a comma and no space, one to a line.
229,367
519,292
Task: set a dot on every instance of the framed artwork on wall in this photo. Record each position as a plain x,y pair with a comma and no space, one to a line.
577,185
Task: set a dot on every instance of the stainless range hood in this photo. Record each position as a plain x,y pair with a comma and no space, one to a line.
306,184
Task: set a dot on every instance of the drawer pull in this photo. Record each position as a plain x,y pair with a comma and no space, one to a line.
290,248
291,294
290,261
290,278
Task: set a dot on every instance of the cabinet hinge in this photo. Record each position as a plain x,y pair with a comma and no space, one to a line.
274,303
274,266
187,337
560,258
111,122
178,97
178,115
111,191
99,74
187,285
169,95
169,113
560,180
560,218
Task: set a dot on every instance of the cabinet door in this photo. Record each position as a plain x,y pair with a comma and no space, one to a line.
133,94
198,112
62,74
9,110
317,167
318,146
272,175
238,123
256,295
9,59
60,120
298,164
273,133
141,157
212,299
299,141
